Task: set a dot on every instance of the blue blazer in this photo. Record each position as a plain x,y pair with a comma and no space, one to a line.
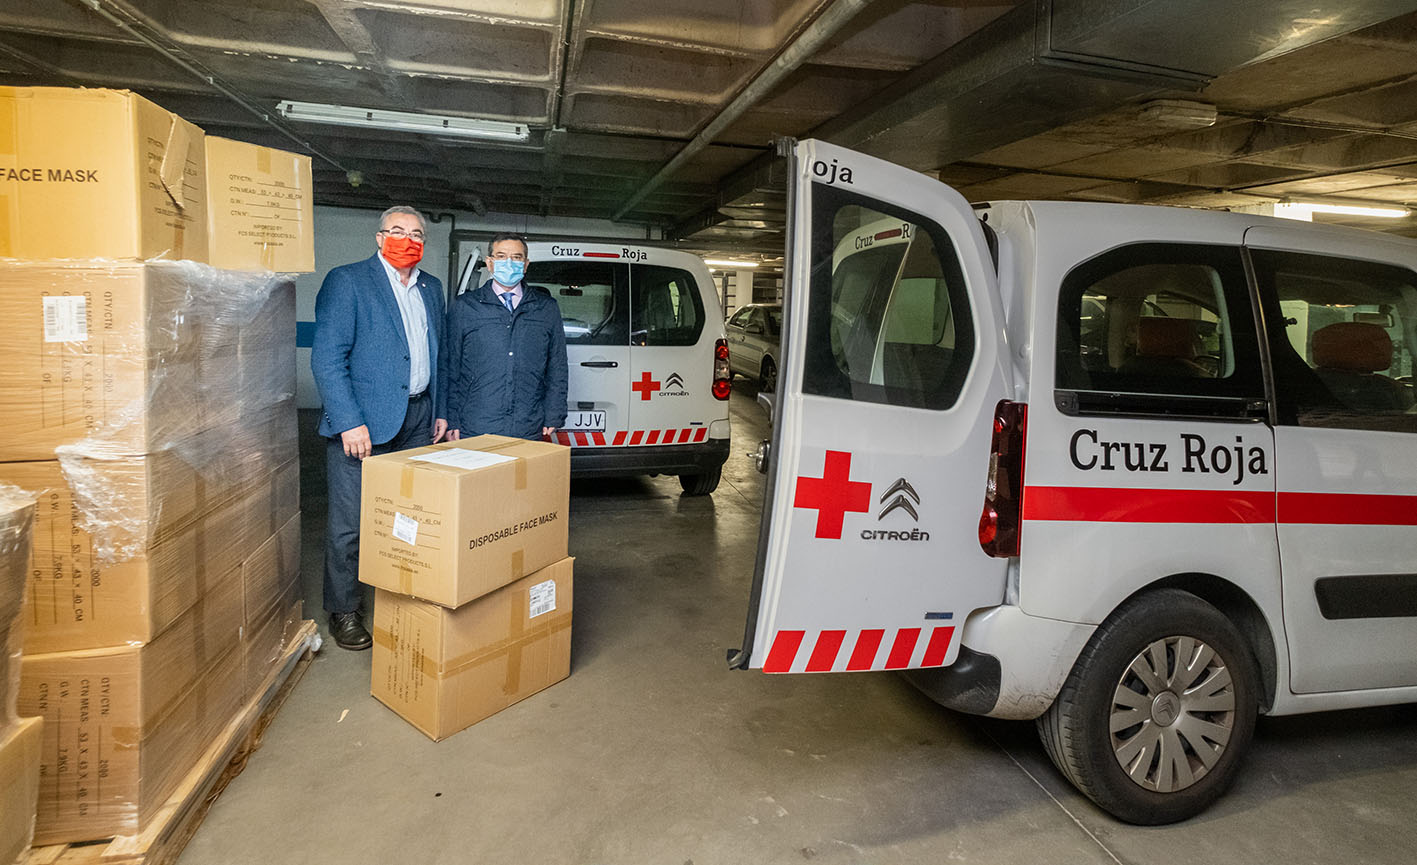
360,355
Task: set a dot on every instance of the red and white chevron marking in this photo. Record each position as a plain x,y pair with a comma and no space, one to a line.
868,649
625,438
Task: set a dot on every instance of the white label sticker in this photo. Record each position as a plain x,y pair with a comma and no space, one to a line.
406,529
66,319
543,599
463,459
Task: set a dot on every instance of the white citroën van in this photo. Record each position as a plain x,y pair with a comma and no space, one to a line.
649,381
1139,473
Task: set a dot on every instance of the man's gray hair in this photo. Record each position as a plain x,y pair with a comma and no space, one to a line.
403,208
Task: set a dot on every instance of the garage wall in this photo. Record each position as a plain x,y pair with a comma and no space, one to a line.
344,235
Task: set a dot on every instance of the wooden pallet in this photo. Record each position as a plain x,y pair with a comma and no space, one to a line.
178,820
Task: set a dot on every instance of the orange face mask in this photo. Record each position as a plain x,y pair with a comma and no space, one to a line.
402,251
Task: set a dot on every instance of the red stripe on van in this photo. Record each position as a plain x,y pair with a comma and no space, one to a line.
684,435
938,647
581,439
619,438
601,254
1114,505
637,437
653,437
902,648
887,235
1347,509
864,655
669,436
598,438
563,438
783,651
824,652
700,434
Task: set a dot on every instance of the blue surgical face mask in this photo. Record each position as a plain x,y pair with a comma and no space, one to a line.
508,272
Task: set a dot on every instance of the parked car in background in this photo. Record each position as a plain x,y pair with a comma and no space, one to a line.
754,336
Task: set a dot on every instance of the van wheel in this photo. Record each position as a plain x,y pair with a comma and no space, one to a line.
701,484
1158,711
767,376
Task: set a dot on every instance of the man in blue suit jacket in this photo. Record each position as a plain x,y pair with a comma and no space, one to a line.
375,361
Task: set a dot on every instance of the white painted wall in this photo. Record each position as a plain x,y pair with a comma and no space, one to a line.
344,235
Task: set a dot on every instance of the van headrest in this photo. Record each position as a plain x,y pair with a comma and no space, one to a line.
1166,337
1355,346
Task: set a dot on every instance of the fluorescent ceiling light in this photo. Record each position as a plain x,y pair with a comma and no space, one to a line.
1306,211
729,265
402,121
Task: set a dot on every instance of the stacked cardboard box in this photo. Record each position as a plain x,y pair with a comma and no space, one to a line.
466,542
19,737
150,405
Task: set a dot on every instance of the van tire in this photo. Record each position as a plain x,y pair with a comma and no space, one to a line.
1076,729
767,376
701,484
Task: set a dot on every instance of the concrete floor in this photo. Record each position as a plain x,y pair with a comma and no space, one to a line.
654,752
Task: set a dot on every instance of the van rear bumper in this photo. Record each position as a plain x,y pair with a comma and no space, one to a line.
686,459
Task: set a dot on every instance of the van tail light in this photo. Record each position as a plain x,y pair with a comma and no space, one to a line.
1003,496
722,378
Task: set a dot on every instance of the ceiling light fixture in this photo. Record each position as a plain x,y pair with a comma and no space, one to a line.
402,121
730,265
1305,211
1179,113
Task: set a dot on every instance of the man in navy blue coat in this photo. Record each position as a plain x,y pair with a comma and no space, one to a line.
375,360
505,355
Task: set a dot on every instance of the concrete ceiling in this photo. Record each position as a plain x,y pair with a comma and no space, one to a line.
662,113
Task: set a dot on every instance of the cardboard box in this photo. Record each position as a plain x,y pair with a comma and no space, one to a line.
260,208
16,521
88,173
444,670
451,522
265,643
269,570
89,350
175,545
19,786
124,725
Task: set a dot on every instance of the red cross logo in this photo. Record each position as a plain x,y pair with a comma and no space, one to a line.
646,386
833,495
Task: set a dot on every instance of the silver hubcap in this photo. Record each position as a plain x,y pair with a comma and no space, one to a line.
1172,714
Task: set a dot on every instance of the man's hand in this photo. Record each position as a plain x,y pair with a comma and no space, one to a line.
356,442
440,429
547,431
454,435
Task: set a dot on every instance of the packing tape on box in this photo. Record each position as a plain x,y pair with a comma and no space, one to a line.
406,482
518,566
513,646
519,464
405,578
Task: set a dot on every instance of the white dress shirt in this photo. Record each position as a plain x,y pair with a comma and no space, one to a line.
415,326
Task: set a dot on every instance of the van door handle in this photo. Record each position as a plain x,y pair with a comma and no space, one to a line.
601,364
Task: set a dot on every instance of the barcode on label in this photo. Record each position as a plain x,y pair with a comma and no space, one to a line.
66,319
543,599
405,529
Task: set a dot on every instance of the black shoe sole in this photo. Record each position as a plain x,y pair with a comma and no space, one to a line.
354,647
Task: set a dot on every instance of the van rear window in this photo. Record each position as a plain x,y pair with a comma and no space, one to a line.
592,309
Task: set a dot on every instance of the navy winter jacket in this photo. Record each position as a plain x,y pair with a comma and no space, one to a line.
505,372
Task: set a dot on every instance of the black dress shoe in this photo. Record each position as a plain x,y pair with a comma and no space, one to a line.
348,632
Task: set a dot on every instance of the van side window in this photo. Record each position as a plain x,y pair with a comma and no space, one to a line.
665,308
890,323
1342,339
1168,321
592,311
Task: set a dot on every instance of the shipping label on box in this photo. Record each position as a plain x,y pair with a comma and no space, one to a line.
261,208
449,523
91,173
443,670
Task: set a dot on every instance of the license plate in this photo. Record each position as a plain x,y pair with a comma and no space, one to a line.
585,421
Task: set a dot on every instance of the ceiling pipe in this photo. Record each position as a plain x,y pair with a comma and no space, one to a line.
804,46
206,76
